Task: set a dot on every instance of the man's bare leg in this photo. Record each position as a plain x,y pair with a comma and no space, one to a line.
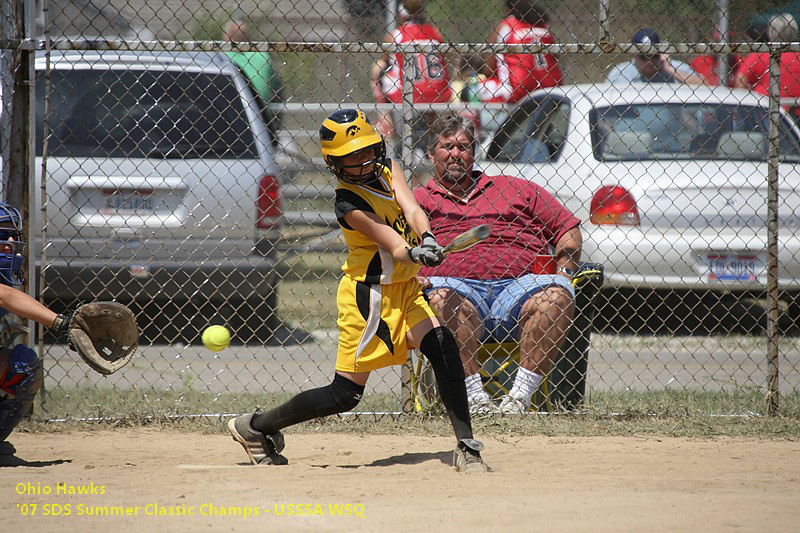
462,318
544,322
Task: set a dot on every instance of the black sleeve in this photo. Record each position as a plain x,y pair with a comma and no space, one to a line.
347,201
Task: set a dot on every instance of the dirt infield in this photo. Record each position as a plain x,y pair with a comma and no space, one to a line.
123,480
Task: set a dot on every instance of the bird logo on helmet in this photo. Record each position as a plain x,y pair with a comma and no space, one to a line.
347,132
12,247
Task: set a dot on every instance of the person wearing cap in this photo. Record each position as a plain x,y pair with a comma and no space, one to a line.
653,68
381,310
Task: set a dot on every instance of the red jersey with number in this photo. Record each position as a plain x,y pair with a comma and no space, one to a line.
755,69
524,73
431,80
526,220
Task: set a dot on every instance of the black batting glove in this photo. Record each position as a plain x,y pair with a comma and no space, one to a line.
61,323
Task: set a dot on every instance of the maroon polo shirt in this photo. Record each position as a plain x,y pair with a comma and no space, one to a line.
525,220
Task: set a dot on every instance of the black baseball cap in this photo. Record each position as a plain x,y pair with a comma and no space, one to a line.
646,36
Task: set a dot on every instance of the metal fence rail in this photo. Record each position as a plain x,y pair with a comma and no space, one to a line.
160,173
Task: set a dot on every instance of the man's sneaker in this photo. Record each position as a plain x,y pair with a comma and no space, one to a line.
512,406
467,457
480,407
261,449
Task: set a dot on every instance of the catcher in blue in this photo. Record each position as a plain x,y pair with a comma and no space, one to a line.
92,324
382,312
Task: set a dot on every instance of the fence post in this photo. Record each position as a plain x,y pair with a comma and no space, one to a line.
21,152
772,234
19,108
7,31
602,18
406,396
724,26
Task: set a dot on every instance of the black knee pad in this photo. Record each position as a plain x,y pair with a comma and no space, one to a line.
439,346
344,393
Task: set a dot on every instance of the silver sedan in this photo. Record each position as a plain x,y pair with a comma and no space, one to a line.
670,181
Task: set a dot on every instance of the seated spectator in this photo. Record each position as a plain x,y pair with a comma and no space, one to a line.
708,65
511,77
656,68
257,68
753,72
496,290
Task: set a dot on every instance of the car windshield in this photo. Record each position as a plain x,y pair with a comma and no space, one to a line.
141,114
687,131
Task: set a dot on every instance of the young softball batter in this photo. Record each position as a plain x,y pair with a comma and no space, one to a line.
382,312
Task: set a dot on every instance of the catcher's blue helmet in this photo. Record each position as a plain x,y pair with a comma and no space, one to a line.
12,247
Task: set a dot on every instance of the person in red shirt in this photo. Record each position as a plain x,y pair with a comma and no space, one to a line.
431,77
753,71
512,76
499,288
707,65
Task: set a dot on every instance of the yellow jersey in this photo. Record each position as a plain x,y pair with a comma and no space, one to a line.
366,261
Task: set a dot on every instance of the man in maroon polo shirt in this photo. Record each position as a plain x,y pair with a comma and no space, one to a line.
504,287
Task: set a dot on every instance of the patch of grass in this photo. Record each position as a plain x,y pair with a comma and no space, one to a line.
562,425
721,343
603,415
307,291
684,403
141,404
309,306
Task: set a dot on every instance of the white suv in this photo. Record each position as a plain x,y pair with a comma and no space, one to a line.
162,190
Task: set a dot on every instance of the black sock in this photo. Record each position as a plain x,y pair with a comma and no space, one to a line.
440,347
340,396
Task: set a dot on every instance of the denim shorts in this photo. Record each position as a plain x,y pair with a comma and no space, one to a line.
499,301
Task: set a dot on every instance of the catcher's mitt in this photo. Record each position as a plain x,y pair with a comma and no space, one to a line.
105,334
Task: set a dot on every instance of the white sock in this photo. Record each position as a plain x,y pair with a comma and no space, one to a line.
475,391
525,384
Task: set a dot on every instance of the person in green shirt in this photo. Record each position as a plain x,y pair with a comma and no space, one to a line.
257,68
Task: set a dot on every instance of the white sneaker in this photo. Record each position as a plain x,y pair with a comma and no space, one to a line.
482,406
512,406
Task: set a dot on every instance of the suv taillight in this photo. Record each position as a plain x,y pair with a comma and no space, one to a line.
613,204
269,203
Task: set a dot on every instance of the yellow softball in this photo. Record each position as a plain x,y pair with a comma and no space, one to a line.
216,338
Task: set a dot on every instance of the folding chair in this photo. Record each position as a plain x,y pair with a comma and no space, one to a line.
499,360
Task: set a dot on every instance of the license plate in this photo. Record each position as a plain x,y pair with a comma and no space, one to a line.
735,267
128,200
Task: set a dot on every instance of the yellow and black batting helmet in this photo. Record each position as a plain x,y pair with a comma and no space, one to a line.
345,132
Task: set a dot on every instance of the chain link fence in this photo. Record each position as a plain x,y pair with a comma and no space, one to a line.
172,163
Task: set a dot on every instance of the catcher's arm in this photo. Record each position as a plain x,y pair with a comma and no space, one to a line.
21,304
